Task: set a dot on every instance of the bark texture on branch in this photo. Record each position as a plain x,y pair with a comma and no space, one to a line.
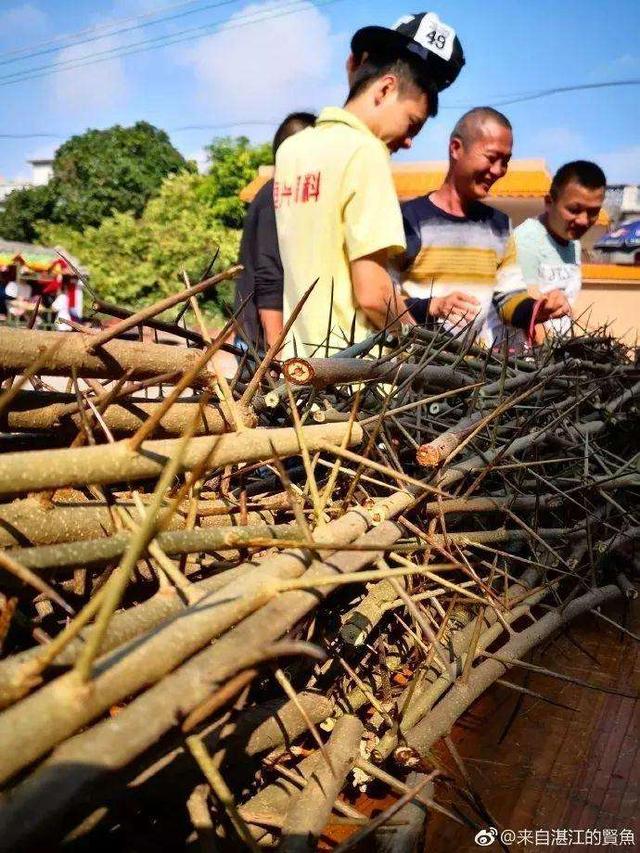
150,311
436,451
98,552
430,683
439,722
111,310
38,470
363,618
321,372
125,416
68,705
459,470
263,728
537,508
82,761
126,625
71,518
309,810
274,799
19,348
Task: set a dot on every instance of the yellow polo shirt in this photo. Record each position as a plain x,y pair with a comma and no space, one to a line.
335,202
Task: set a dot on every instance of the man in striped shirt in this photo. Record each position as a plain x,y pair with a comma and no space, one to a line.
456,245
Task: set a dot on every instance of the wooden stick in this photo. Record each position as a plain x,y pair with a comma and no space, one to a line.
219,699
274,349
158,307
120,578
221,790
384,816
382,469
65,350
39,470
310,809
438,723
8,396
27,576
148,426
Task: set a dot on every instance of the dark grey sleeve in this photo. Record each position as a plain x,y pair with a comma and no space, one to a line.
412,233
268,271
419,310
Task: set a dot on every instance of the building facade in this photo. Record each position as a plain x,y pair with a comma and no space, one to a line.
41,174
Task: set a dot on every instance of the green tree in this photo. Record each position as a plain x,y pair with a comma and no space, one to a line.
22,211
95,175
104,171
234,162
137,261
134,261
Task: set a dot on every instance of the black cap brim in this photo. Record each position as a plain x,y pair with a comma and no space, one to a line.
387,41
384,39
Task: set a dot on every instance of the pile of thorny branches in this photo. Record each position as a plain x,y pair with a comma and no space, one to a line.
231,606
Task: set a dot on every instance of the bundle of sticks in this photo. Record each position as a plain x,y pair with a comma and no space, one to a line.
235,608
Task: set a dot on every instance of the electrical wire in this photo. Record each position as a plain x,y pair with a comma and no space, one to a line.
518,98
506,99
159,42
112,52
188,127
543,93
110,34
29,51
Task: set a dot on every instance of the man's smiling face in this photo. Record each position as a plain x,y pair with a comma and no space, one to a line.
574,210
478,163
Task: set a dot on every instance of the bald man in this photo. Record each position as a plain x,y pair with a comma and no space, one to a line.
459,247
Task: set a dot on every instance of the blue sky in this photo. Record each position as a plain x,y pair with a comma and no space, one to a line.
273,57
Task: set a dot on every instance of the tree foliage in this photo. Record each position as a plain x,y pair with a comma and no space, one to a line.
234,162
96,174
23,209
118,169
137,261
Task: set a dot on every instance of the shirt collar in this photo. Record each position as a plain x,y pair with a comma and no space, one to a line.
559,241
337,115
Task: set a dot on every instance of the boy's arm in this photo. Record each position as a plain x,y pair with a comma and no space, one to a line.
375,294
272,323
383,304
512,301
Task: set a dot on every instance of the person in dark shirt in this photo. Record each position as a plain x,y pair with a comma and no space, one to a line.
262,277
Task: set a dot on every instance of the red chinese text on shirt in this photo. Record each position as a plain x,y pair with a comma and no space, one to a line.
303,189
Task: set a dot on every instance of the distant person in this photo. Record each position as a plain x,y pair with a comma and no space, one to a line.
62,308
4,296
461,248
16,296
548,247
337,210
262,277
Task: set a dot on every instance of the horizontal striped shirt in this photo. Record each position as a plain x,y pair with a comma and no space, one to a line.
475,254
